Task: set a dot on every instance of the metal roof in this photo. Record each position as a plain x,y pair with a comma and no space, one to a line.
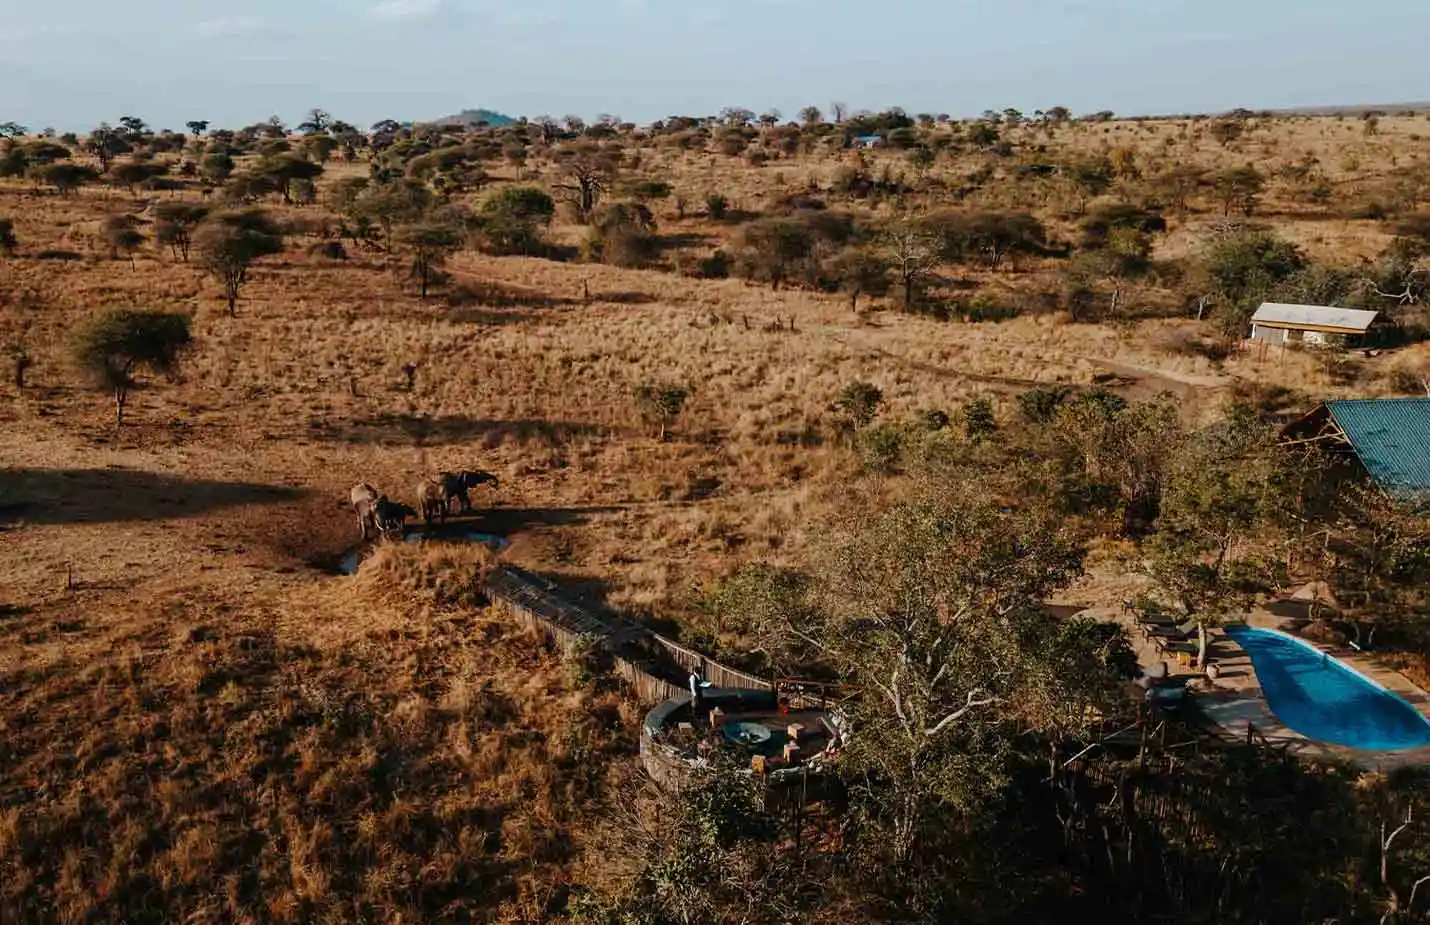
1320,316
1392,438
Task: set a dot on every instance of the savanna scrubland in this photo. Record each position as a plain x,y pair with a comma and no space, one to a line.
815,408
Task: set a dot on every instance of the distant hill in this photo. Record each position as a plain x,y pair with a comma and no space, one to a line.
1390,108
472,116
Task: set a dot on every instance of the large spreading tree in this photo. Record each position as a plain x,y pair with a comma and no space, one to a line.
113,348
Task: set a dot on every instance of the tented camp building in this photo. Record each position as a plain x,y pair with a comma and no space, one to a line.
1314,325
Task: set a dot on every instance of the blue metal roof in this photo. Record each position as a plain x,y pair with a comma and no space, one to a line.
1392,438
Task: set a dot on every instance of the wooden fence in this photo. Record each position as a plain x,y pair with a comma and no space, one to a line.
654,667
535,604
710,670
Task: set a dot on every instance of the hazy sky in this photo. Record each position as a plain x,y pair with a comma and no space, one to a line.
71,63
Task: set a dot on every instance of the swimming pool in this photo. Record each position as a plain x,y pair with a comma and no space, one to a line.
1324,699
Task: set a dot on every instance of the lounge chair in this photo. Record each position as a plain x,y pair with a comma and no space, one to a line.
1173,645
1183,630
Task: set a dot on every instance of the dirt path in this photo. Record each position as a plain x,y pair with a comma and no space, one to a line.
1160,380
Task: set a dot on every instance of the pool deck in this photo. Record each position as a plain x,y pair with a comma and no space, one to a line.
1235,702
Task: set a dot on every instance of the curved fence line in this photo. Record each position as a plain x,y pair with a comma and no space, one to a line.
655,667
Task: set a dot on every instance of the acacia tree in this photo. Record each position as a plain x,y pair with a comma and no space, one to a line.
1221,492
285,170
66,177
1119,449
197,127
1379,551
107,143
230,242
430,243
858,270
174,224
318,121
659,405
1239,188
388,205
1241,269
861,402
771,248
112,348
122,234
932,607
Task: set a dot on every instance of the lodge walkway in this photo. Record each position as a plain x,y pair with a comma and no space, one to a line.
658,669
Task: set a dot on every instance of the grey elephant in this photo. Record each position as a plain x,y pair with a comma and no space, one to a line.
364,500
431,500
391,515
456,484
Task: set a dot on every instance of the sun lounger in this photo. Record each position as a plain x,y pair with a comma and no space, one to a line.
1172,630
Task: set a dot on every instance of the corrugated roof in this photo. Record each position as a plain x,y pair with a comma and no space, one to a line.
1392,438
1321,316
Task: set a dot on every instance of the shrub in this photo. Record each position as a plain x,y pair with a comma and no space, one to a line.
718,206
934,419
513,220
647,190
881,448
984,308
860,401
8,242
979,421
329,250
716,266
659,405
1041,404
623,235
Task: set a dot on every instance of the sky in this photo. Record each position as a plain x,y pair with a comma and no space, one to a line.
70,64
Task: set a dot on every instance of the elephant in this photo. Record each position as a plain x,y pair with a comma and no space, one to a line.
431,500
364,500
456,484
391,515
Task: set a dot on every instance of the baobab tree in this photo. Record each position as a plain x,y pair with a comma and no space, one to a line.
587,171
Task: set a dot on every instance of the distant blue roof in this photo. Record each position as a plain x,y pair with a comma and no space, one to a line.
1392,438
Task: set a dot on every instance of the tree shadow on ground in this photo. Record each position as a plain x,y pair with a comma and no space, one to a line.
66,496
685,239
488,294
492,317
451,429
624,298
508,521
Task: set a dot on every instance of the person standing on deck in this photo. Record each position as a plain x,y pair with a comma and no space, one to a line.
694,689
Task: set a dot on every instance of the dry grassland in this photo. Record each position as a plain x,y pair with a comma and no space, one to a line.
194,707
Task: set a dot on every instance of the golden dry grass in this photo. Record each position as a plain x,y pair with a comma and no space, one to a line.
196,716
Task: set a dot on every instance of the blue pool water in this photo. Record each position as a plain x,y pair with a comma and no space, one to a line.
1323,699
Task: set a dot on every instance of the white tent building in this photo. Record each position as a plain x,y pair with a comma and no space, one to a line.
1317,325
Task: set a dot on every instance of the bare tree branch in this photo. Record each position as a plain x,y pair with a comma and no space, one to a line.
978,697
